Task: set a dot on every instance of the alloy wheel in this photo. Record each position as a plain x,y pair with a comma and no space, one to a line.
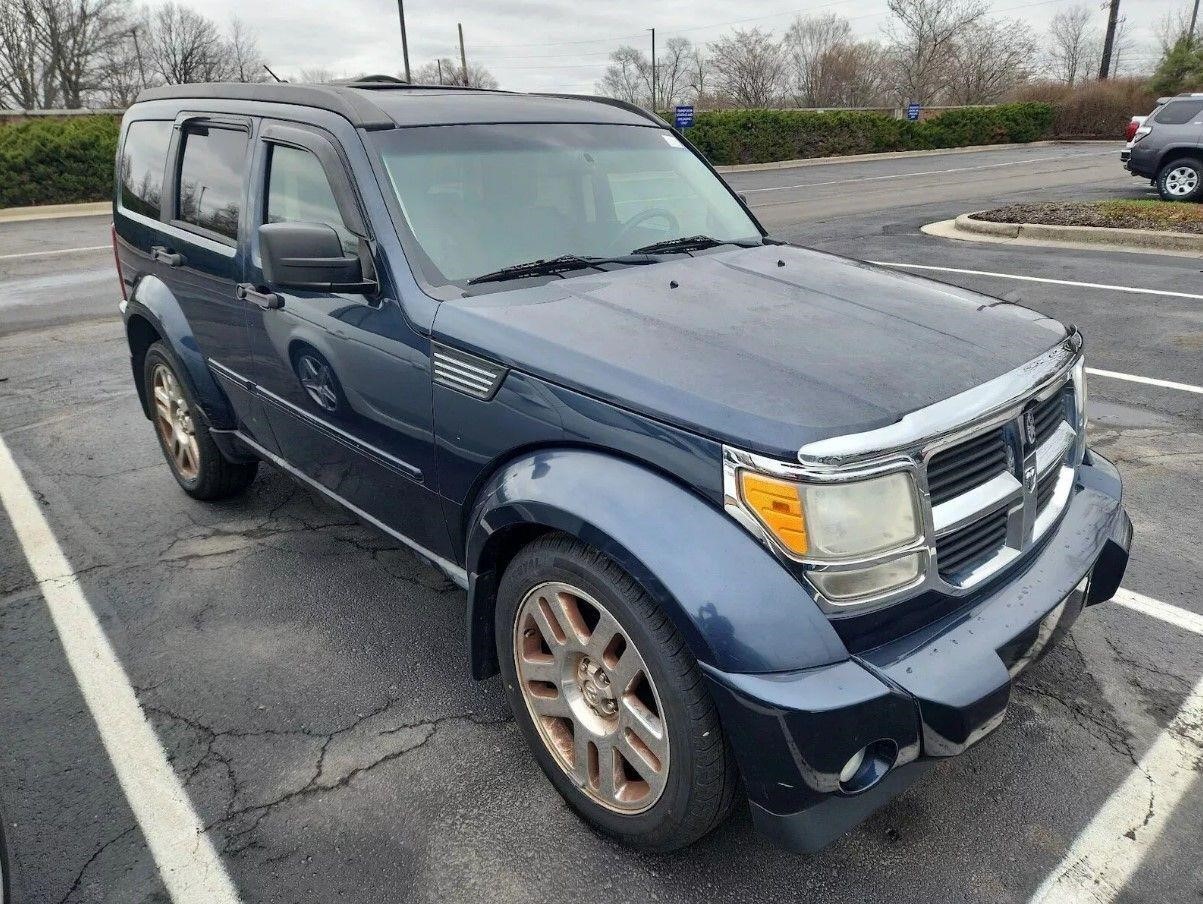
1181,181
318,381
592,698
174,422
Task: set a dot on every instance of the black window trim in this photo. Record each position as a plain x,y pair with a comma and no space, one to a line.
1177,102
183,123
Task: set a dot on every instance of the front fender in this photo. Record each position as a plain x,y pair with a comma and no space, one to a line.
736,607
154,301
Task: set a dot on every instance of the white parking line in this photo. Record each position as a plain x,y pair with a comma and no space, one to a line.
189,866
1132,378
1136,290
955,169
1174,615
13,257
1112,847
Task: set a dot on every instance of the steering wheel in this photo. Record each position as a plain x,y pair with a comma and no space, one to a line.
623,239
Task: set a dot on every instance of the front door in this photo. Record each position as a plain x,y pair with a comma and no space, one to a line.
344,377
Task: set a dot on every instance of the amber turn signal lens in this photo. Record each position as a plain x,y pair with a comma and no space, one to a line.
777,505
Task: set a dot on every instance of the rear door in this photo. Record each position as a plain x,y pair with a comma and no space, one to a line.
344,377
203,248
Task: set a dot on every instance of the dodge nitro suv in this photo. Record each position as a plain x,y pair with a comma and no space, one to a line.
736,520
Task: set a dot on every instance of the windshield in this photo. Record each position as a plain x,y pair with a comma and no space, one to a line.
480,198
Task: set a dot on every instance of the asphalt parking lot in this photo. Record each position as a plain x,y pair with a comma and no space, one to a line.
308,680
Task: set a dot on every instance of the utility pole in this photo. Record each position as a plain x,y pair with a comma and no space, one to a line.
1109,41
653,31
440,63
463,57
1194,18
142,69
404,38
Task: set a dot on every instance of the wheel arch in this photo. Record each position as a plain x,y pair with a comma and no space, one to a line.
1177,152
153,311
734,605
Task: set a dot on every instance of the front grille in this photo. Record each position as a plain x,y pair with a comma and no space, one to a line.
1045,487
968,465
1047,416
971,544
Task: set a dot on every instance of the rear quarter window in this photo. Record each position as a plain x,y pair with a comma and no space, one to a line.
1179,112
140,168
213,173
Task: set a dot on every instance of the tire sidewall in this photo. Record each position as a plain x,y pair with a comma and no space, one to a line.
158,353
655,826
1195,195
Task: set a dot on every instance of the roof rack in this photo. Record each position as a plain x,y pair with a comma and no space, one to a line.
371,81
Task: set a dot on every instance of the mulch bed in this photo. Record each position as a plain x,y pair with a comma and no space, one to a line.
1157,215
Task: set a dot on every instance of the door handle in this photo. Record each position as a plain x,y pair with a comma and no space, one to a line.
268,301
163,256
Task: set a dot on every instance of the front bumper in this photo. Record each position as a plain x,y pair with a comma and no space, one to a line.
928,695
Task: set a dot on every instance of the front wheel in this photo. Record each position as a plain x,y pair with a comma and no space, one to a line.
610,700
1181,180
195,461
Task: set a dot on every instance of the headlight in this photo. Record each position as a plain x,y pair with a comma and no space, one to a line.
833,526
1079,378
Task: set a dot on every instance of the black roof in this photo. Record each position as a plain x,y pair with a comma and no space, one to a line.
383,103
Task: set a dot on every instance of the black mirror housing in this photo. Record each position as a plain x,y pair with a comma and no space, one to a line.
309,256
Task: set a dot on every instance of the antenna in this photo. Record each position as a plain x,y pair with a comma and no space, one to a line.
273,75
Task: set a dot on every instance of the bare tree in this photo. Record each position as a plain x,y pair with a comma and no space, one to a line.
317,75
74,35
922,43
672,72
123,70
811,43
1172,27
698,74
1073,45
446,71
1122,47
989,60
245,60
627,76
26,75
184,46
749,67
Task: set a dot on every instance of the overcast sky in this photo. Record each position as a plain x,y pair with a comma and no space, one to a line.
562,44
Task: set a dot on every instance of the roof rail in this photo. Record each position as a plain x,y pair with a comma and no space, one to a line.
610,102
371,81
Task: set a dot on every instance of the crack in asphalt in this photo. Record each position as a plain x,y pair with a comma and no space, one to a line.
79,876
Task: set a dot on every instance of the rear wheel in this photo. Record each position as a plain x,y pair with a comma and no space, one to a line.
610,700
1181,180
195,461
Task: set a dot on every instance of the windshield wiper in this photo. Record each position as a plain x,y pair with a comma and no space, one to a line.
693,243
552,266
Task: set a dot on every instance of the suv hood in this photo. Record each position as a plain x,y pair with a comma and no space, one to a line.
765,348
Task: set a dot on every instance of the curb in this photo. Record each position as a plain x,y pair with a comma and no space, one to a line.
54,211
1149,241
902,155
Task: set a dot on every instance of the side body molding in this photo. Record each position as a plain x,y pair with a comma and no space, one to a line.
153,300
732,602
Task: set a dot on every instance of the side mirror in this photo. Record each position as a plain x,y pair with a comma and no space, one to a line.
309,256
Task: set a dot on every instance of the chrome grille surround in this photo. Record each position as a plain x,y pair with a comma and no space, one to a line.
910,444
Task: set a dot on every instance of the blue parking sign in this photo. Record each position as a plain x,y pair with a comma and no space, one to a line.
683,117
912,112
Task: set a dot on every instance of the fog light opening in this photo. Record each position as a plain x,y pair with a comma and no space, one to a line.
868,766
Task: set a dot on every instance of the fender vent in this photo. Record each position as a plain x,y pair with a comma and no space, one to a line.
466,373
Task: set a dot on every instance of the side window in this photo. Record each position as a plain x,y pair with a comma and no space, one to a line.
1179,112
299,192
140,170
212,177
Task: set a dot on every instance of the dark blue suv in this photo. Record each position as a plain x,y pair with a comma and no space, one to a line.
736,519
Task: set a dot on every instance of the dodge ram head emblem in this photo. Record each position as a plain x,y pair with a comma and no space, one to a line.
1029,427
1029,478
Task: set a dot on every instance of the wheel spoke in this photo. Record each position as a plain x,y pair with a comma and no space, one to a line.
580,756
549,626
537,667
645,725
568,614
608,770
555,706
627,670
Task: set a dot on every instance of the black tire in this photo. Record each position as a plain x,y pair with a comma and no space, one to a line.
1181,180
702,779
215,477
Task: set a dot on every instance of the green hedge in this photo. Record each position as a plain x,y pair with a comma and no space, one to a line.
764,136
57,161
62,161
